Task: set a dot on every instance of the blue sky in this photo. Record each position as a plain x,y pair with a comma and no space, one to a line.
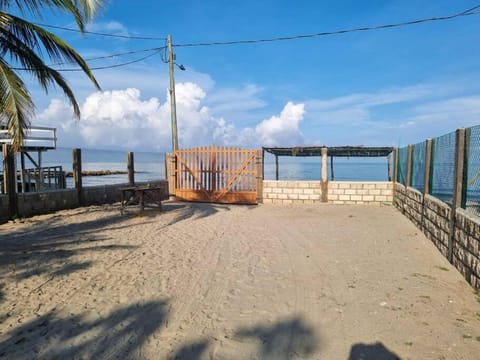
385,87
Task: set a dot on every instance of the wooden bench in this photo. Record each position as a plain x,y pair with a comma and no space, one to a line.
143,194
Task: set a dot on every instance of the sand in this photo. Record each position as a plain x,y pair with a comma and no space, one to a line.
201,281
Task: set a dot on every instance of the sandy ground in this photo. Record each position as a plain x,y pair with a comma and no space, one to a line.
231,282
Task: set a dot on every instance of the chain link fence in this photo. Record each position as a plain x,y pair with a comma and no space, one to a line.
472,194
443,167
402,164
418,166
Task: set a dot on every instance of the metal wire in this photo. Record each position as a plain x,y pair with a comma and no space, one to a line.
473,171
418,166
443,169
402,164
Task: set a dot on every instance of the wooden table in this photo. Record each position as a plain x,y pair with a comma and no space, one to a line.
131,194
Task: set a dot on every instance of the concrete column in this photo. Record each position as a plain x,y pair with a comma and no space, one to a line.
324,179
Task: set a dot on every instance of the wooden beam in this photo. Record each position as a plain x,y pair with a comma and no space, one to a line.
332,176
395,164
131,168
457,186
276,167
428,167
408,176
77,173
10,179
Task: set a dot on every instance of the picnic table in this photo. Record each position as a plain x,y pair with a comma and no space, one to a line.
143,194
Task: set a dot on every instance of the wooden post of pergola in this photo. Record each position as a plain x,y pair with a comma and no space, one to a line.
276,167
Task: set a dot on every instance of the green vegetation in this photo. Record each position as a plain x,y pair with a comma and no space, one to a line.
24,44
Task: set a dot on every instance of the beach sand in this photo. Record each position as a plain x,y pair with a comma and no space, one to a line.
202,281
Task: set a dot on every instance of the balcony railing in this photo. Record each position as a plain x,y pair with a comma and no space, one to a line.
36,138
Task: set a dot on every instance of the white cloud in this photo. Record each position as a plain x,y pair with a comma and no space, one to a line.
110,27
283,129
122,119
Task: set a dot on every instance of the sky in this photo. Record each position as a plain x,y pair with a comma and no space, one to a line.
387,87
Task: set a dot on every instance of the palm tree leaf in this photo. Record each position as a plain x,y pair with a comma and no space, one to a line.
81,12
16,105
38,39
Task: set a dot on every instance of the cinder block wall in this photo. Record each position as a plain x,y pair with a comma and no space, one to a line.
354,192
432,216
291,192
3,208
30,204
339,192
466,252
33,203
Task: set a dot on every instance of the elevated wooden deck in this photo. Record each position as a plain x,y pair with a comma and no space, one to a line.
37,139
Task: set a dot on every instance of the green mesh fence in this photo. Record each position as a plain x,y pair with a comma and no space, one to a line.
402,164
443,169
473,171
418,166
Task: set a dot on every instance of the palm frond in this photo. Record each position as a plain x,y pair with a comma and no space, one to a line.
23,39
82,10
16,105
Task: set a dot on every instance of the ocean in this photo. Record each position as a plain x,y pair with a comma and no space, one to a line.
150,166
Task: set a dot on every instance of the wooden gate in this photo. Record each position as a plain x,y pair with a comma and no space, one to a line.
219,175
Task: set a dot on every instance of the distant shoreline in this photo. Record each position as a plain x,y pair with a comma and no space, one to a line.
99,172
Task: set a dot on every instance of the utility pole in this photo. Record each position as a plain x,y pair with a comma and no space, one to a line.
173,104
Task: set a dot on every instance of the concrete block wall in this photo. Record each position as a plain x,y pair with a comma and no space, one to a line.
339,192
109,194
354,192
291,192
466,252
410,203
4,216
30,204
436,222
433,217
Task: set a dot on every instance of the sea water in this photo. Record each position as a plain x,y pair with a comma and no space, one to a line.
150,166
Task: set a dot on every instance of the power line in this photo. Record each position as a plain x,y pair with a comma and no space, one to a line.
100,67
111,56
116,65
468,12
131,37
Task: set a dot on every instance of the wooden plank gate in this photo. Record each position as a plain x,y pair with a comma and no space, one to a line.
218,175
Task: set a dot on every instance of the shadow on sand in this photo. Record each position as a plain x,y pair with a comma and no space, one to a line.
282,340
120,335
50,248
191,210
376,351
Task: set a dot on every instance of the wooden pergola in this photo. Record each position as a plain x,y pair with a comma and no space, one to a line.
324,152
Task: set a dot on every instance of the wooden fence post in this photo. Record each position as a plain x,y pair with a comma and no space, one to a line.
324,180
426,178
259,171
408,176
77,174
276,167
395,164
10,179
171,172
428,167
131,169
458,183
